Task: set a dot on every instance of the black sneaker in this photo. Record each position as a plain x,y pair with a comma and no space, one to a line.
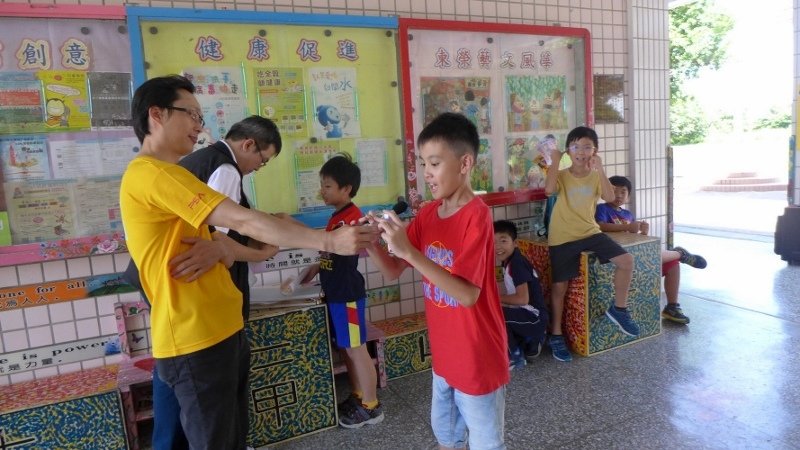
348,404
533,350
674,313
359,415
696,261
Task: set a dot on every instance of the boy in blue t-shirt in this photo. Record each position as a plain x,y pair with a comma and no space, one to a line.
611,216
346,297
523,303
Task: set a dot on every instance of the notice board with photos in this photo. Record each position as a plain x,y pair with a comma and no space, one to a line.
518,84
65,134
330,83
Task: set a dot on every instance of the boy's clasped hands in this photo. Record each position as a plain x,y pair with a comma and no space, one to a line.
391,228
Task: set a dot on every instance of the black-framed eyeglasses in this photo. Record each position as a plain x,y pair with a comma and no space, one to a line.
264,160
196,116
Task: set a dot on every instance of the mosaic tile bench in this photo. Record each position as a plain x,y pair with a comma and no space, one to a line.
406,348
587,329
75,410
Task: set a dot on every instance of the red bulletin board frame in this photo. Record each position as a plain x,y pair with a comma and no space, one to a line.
493,198
80,246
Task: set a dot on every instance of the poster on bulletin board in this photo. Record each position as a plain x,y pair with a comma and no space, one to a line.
220,92
326,81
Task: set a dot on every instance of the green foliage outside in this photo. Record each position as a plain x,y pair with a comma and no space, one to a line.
775,119
697,40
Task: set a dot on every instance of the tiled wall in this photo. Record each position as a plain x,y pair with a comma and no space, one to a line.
635,148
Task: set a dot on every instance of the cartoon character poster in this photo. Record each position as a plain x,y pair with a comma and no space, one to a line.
282,99
481,177
335,95
221,95
24,158
536,103
66,97
469,96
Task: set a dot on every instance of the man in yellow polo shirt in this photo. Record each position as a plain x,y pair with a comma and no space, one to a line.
197,327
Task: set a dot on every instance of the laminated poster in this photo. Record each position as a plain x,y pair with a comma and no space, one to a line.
469,96
308,160
21,103
66,97
24,158
536,102
282,99
111,95
371,159
336,113
220,91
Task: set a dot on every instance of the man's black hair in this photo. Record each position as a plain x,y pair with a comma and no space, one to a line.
160,92
261,129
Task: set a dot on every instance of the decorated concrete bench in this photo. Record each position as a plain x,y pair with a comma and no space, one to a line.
406,348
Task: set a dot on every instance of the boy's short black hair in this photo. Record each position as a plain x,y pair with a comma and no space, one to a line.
453,129
507,227
160,92
579,133
343,171
620,181
260,129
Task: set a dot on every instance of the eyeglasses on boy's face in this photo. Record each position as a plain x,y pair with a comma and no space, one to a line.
196,116
583,148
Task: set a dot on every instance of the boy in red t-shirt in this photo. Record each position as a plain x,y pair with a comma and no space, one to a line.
451,243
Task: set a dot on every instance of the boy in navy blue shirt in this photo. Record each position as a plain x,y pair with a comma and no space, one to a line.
523,303
345,294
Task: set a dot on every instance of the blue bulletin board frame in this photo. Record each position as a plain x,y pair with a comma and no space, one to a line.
136,15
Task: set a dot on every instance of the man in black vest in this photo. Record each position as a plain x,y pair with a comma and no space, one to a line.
247,147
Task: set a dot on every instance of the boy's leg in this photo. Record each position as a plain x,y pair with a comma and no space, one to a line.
362,374
447,423
484,416
672,279
558,291
623,273
350,333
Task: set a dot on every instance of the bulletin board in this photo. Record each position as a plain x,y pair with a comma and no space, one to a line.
518,84
330,83
65,135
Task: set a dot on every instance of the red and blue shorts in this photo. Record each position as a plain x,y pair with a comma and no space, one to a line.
349,323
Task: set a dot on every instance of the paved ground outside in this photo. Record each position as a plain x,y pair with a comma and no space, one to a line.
750,213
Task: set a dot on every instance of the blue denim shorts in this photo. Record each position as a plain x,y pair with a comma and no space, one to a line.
454,414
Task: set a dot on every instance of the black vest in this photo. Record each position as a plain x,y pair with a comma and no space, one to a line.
202,164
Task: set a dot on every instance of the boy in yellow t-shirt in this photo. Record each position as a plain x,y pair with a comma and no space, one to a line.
573,230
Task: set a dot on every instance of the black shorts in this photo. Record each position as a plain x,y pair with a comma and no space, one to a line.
565,258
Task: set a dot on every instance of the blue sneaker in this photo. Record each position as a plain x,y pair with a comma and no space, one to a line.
623,320
559,348
516,360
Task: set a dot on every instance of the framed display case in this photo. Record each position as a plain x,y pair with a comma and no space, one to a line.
518,84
